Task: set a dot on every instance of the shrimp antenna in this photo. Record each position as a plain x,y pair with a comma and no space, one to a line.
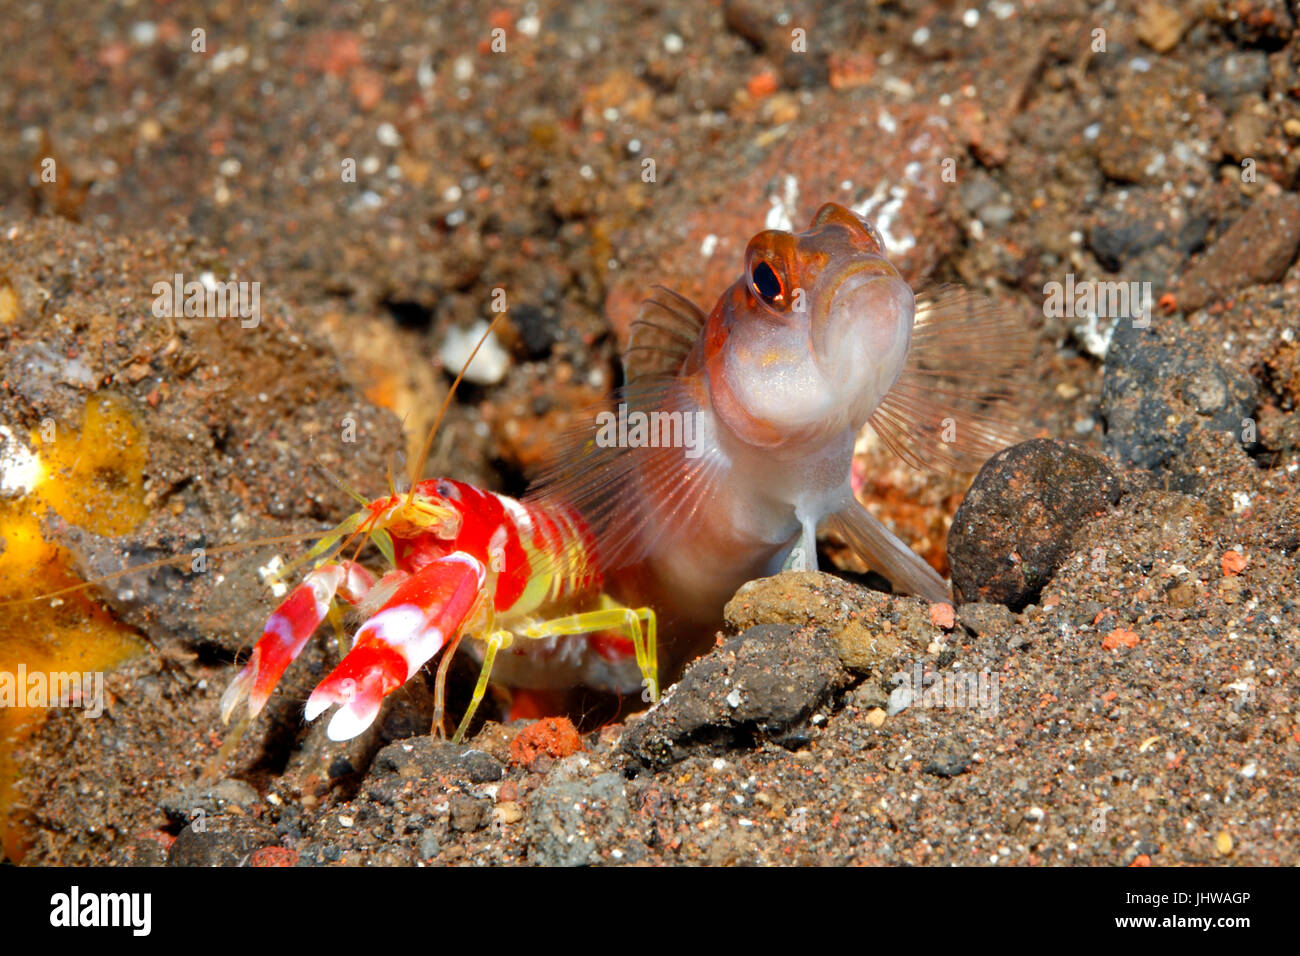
420,460
163,563
340,483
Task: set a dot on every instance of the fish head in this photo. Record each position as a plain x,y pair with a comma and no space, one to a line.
812,336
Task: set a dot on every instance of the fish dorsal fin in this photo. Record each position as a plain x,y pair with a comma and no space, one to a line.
952,406
662,335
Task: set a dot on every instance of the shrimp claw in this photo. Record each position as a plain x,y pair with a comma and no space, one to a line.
288,629
426,610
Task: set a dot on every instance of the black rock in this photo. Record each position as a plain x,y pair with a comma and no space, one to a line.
467,813
208,800
984,619
1156,391
223,841
537,328
765,681
570,822
1134,221
951,759
1016,523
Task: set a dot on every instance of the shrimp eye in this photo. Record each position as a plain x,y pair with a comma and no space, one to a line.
765,282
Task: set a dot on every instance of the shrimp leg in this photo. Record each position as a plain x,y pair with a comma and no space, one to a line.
609,618
497,641
630,621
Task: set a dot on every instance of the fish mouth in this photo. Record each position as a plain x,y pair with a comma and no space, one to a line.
865,299
861,330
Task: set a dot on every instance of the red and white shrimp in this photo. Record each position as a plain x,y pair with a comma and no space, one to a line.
518,580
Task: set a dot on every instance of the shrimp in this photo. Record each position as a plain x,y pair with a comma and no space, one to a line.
465,563
736,428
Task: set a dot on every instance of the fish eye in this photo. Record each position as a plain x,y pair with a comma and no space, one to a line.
765,282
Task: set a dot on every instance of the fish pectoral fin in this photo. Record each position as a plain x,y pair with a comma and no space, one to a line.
803,556
884,552
959,398
641,475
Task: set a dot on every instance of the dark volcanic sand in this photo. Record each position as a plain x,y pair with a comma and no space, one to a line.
1146,679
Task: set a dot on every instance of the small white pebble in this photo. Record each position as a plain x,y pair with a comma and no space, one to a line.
489,365
346,821
144,33
425,75
900,698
